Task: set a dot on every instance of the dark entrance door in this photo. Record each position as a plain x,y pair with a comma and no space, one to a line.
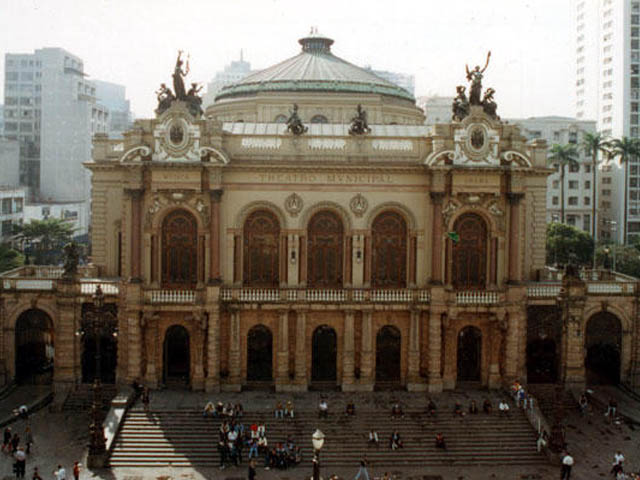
108,360
388,354
176,355
469,354
259,354
542,363
324,355
179,250
34,347
603,343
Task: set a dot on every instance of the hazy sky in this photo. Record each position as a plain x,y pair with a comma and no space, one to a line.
135,42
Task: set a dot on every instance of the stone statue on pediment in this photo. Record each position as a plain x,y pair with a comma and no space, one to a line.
359,125
71,260
294,124
460,106
165,98
475,77
489,106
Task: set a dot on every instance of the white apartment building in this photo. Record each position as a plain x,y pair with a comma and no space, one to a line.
1,120
232,73
12,202
436,109
578,191
9,162
607,83
113,97
51,109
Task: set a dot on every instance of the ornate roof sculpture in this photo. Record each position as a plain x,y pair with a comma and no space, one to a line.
166,97
315,68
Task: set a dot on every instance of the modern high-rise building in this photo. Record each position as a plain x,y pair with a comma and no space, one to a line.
1,120
607,81
113,96
232,73
436,109
51,109
578,186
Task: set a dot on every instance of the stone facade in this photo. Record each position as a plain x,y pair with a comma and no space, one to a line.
462,295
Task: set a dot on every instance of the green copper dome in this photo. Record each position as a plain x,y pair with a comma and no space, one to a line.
315,69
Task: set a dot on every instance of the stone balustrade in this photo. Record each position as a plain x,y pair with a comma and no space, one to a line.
610,288
477,297
543,291
170,296
108,288
28,284
320,295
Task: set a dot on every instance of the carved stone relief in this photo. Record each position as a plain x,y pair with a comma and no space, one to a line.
293,204
359,205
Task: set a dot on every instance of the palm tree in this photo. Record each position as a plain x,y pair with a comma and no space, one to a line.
48,236
563,155
592,144
624,148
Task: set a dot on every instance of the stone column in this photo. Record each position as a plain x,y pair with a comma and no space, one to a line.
212,382
65,374
348,354
497,330
434,380
514,236
134,346
367,379
293,259
282,358
414,382
573,371
436,242
301,350
234,354
151,339
214,238
136,227
200,329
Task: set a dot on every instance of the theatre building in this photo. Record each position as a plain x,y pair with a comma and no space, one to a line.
308,231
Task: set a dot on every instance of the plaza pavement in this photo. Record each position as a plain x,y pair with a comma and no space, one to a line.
62,437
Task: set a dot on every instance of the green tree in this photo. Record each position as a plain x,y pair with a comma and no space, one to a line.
9,258
627,258
563,155
592,145
566,243
624,149
46,239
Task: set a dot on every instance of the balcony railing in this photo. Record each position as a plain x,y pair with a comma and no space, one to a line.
477,297
543,291
176,297
321,295
88,287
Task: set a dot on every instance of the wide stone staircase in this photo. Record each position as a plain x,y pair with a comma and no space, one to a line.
184,438
545,394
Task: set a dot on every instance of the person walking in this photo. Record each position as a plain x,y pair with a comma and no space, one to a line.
145,398
252,470
21,462
60,473
36,474
6,440
362,472
76,471
567,465
28,440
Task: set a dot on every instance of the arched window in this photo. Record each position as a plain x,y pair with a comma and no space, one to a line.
261,237
179,250
280,119
469,269
389,251
319,119
325,244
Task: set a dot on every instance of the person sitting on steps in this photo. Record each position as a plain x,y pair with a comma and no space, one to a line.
396,410
440,443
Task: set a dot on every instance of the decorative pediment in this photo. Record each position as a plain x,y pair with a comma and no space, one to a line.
476,144
176,136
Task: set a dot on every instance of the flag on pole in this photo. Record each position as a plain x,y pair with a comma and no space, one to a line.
455,238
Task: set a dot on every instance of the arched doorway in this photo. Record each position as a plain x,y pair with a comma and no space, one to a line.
542,361
177,359
324,354
389,251
469,354
469,252
388,355
179,250
108,351
603,342
259,354
34,347
325,247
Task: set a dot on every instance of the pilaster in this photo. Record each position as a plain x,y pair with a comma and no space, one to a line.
348,355
214,238
301,351
437,239
234,384
212,382
414,382
367,379
434,380
282,358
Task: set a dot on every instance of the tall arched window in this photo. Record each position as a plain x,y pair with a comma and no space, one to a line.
261,259
389,251
469,269
324,247
180,250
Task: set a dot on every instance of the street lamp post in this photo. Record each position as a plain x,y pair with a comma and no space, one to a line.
318,441
98,322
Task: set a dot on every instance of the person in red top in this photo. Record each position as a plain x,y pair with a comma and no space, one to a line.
76,471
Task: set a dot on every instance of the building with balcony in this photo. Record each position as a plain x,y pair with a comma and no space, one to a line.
236,253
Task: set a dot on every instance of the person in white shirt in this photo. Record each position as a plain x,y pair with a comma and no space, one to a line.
323,409
60,473
567,464
504,408
618,458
